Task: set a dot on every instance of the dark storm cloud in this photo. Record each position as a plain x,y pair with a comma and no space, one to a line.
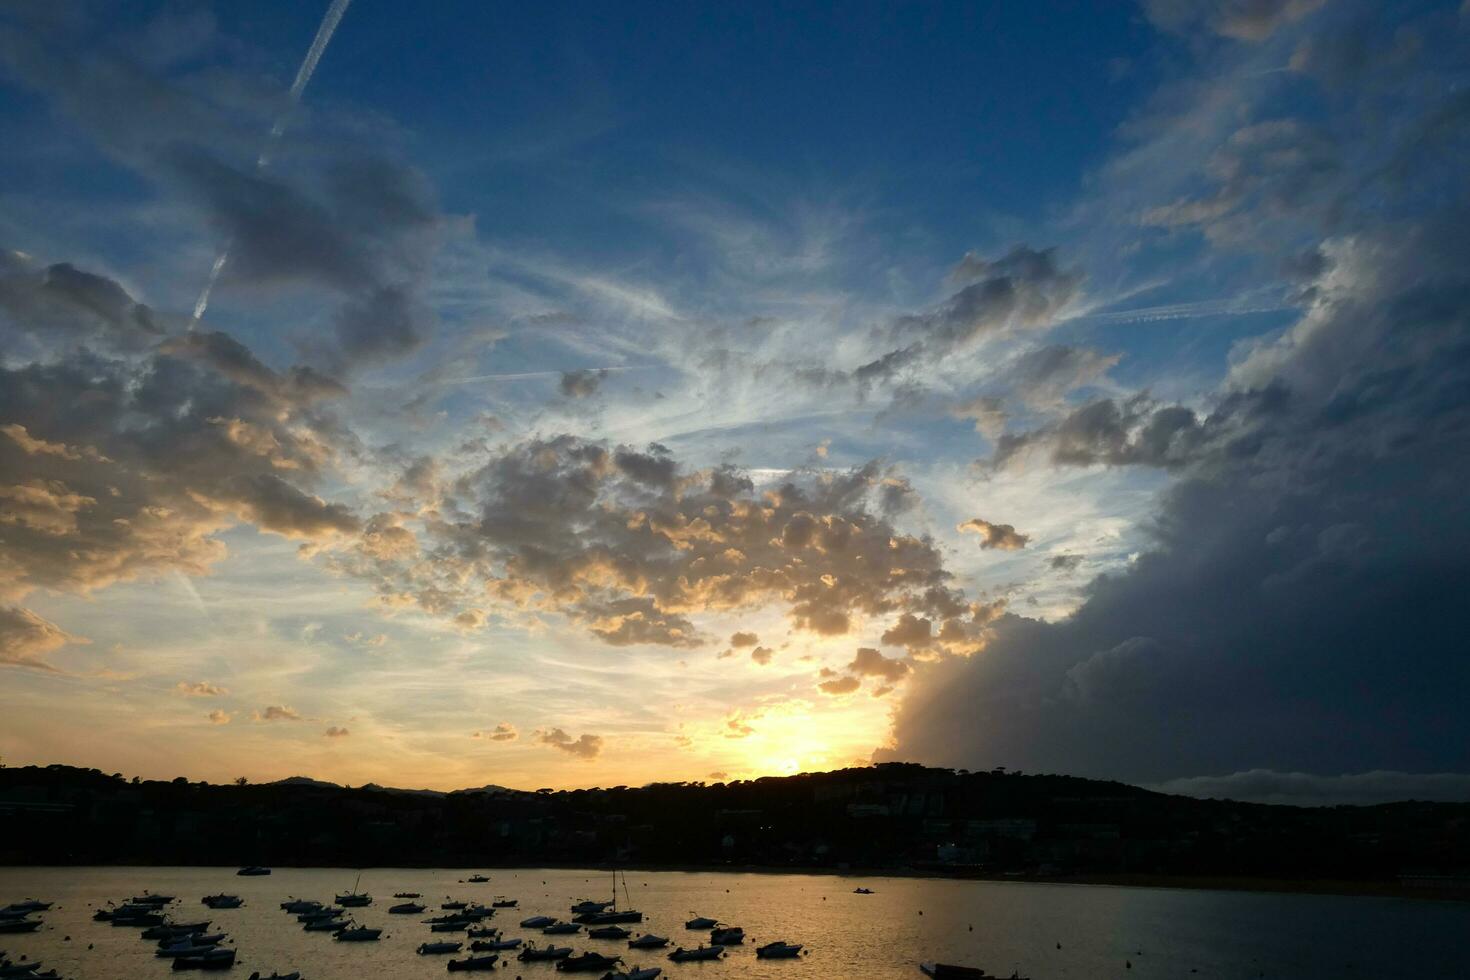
1299,605
1307,789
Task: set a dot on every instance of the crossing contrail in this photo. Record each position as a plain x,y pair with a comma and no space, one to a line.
330,20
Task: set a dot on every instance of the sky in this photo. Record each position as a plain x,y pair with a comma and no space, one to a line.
549,396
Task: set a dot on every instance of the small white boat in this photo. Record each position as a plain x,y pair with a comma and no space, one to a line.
778,951
434,949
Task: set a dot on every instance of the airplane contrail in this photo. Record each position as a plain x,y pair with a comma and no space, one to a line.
329,23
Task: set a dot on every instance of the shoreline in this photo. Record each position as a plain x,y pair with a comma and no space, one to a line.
1350,888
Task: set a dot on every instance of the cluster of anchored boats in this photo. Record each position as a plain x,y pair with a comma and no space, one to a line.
190,945
486,944
16,918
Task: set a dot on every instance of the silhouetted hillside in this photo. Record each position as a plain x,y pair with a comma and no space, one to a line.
895,816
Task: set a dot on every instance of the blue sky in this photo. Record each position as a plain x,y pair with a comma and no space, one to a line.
520,289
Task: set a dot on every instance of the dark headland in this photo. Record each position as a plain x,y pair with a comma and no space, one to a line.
892,819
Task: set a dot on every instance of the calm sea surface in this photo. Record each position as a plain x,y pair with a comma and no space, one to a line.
999,926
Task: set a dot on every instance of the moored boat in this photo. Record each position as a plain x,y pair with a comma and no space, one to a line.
609,932
254,871
214,959
223,901
587,963
949,971
486,945
701,922
475,963
537,922
533,953
561,929
728,936
778,951
682,955
432,949
648,941
406,908
359,934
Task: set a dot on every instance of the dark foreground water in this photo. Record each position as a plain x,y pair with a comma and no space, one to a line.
1001,926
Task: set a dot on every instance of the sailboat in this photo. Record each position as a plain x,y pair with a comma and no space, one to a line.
355,899
613,915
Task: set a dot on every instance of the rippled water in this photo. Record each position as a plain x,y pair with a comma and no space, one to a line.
1001,926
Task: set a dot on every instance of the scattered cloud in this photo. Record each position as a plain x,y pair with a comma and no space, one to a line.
277,712
26,638
336,732
1003,537
200,689
582,383
503,732
586,747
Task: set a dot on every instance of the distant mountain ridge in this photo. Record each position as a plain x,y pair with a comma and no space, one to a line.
489,788
893,816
